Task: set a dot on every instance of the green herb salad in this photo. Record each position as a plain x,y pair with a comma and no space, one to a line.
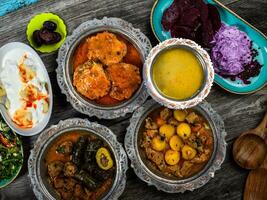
11,153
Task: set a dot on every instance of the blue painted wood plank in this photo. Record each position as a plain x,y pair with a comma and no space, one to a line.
7,6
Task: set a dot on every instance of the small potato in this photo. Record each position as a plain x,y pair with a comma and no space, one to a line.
167,131
160,121
179,115
188,153
176,143
172,157
158,143
184,130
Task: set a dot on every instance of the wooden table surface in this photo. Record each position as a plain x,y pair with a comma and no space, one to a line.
239,112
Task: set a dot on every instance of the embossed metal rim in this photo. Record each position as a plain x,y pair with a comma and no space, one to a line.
63,126
170,103
171,187
91,110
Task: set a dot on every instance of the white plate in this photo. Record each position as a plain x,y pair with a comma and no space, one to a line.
18,49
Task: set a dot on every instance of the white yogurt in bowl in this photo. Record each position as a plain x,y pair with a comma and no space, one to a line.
25,89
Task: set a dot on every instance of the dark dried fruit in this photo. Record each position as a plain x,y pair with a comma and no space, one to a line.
46,36
36,38
49,37
57,37
49,25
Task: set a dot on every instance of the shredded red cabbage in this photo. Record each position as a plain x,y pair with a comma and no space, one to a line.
231,50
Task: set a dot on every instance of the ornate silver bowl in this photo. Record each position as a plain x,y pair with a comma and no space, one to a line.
204,60
65,71
37,168
147,173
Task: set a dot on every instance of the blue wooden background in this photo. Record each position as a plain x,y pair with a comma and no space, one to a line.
7,6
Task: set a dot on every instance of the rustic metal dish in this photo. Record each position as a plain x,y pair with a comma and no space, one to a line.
154,177
64,70
204,60
37,171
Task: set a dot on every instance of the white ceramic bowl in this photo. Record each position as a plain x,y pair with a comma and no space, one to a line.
18,49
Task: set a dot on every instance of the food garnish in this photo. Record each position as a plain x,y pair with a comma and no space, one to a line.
233,55
105,70
177,73
24,86
180,149
192,19
11,157
80,166
103,159
46,35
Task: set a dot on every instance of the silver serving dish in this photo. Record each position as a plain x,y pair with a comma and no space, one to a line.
204,60
154,177
38,172
65,72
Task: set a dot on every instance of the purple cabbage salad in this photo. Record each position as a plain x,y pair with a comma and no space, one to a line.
231,50
233,55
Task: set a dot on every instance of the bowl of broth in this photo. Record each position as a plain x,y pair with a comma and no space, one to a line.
178,73
77,159
175,150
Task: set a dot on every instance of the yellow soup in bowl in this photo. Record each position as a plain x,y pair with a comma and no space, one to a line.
177,73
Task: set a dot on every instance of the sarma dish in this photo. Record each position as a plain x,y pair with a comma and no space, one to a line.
80,166
78,159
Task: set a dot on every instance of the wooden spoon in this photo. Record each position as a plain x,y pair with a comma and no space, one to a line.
250,148
256,184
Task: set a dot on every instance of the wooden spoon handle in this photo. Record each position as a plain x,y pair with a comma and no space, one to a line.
256,185
261,129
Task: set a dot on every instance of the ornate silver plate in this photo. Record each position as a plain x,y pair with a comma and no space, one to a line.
147,174
37,170
64,70
206,64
